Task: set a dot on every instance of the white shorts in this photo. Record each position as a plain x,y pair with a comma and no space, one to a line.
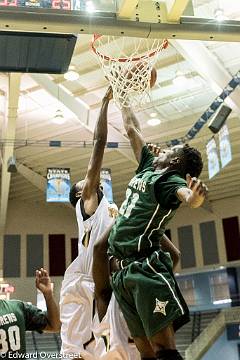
85,336
76,314
113,337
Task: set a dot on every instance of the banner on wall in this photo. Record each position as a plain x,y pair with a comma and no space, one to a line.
213,161
58,184
224,146
106,183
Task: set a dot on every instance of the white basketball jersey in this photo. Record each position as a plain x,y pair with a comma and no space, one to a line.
77,292
89,231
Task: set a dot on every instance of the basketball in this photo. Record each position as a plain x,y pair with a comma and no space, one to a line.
140,72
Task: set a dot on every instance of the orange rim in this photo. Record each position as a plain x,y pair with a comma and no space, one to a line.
164,45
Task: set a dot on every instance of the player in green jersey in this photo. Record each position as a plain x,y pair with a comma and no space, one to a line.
145,286
16,317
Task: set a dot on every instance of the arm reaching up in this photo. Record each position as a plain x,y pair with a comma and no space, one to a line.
133,130
92,179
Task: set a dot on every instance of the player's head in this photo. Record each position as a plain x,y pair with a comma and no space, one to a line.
76,192
185,159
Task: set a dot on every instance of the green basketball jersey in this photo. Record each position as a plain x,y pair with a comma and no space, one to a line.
150,203
15,318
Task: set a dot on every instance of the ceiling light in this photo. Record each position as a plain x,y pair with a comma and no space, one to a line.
219,15
71,75
90,7
154,122
153,114
180,79
59,118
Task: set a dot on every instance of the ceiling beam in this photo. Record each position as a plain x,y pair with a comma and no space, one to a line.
9,130
175,9
209,67
77,106
126,8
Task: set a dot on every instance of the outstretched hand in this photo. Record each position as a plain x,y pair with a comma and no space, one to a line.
199,189
43,281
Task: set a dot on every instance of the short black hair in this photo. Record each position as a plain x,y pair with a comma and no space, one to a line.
192,161
72,195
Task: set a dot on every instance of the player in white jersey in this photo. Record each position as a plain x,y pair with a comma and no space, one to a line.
94,214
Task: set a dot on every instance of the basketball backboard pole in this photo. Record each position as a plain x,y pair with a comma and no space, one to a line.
44,20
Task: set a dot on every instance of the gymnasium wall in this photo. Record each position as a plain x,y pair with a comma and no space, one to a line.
30,227
200,245
32,221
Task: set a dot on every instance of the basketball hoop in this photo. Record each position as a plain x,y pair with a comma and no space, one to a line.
130,73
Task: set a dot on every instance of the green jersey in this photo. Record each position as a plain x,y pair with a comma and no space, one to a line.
16,317
151,201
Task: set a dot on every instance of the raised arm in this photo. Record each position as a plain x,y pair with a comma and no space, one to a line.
43,283
92,178
193,195
133,130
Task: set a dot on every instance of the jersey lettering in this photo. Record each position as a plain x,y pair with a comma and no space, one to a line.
3,342
14,337
13,334
129,203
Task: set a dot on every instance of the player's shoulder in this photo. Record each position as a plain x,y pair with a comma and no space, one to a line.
15,302
174,176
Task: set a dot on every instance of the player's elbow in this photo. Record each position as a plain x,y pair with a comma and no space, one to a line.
176,258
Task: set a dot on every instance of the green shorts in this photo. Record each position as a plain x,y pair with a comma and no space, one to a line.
149,296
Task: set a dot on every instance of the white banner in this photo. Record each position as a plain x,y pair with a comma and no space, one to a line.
58,184
224,146
213,161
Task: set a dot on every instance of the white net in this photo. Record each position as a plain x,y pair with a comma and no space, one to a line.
131,73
